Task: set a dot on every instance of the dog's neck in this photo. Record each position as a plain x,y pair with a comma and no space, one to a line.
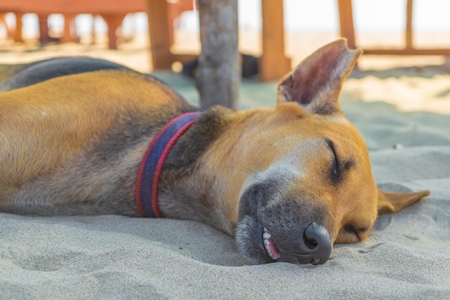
154,158
189,189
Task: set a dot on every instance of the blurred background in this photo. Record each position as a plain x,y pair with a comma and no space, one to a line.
308,25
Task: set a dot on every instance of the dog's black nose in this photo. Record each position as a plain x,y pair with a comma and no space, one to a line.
315,245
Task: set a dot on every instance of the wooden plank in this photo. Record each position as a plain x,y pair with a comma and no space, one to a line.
273,63
411,51
408,27
184,57
346,22
218,64
70,6
158,29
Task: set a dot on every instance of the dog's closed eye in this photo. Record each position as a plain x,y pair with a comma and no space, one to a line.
336,167
339,166
350,228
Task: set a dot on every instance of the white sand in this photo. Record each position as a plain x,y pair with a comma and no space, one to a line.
406,257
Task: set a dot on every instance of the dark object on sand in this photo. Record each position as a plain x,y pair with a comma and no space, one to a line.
249,67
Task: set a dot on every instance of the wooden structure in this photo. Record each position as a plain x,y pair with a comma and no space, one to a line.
273,63
174,10
161,14
112,11
348,31
3,23
160,38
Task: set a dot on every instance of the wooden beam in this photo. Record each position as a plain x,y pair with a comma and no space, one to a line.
184,57
158,28
347,31
273,63
408,27
48,7
411,51
346,22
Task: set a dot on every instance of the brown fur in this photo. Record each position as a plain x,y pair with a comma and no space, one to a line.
73,145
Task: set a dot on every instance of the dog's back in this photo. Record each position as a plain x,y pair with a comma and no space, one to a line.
28,74
93,126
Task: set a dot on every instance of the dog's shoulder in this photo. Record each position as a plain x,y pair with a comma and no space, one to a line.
56,67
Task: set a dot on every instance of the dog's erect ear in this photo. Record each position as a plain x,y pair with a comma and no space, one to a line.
392,202
316,82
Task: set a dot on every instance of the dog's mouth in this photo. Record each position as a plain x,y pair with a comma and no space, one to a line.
256,242
267,243
259,245
306,243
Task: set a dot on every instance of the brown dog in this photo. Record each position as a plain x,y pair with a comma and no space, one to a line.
288,182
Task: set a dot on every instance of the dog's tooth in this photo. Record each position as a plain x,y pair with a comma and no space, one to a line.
266,240
268,250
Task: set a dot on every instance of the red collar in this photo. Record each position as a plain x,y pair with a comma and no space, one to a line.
153,161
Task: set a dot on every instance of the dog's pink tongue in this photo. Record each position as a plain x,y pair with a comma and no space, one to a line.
274,249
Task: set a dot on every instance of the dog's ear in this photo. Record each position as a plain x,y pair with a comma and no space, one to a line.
317,81
392,202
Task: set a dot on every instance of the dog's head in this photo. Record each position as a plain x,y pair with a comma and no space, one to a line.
308,181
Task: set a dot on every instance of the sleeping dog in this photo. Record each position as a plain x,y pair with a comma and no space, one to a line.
87,136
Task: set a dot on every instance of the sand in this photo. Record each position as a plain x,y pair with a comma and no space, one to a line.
407,255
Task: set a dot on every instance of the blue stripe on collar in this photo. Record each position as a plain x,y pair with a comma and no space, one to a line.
153,161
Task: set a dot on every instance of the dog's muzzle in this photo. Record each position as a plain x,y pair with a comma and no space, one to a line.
289,230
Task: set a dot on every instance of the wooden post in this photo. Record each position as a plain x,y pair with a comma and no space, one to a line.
18,31
93,30
113,22
273,63
69,29
408,29
346,22
218,64
158,28
44,36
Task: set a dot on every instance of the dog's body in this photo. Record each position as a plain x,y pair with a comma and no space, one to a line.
296,178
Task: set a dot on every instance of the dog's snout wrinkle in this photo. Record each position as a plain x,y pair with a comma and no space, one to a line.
261,193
